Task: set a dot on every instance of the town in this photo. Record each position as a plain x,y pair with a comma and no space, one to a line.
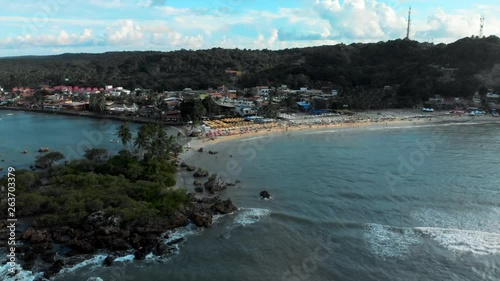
182,107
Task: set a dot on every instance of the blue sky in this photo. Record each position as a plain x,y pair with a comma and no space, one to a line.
41,27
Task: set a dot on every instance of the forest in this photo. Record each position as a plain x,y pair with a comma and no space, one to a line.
414,69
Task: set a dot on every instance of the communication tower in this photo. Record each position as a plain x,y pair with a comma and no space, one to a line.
481,27
409,24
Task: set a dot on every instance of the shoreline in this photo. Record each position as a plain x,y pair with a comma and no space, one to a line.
197,143
87,114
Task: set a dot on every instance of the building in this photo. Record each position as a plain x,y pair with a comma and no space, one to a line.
261,91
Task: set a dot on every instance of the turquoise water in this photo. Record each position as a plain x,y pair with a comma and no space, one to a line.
21,131
417,203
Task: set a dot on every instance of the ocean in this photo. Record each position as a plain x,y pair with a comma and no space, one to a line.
378,203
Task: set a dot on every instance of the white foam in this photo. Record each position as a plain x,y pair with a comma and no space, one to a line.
95,279
390,242
127,258
182,232
477,234
96,261
465,241
22,275
247,216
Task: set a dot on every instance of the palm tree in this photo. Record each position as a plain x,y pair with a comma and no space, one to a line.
143,139
124,134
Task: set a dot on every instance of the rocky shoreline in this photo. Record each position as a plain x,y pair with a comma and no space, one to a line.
50,249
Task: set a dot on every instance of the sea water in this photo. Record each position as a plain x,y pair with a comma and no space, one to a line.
402,203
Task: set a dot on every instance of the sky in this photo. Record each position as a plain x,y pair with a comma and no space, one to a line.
46,27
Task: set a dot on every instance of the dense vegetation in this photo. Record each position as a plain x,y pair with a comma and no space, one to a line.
130,185
355,70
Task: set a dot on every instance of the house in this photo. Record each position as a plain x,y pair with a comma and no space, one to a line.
261,91
492,97
243,110
79,106
436,99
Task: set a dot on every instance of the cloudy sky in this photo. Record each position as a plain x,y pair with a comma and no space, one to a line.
39,27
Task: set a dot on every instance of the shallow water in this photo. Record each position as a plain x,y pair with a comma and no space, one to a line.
384,204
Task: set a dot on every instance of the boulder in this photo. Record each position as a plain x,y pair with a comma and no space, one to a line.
201,149
201,219
198,189
54,269
35,236
191,168
264,195
213,152
108,261
200,173
81,246
215,184
224,207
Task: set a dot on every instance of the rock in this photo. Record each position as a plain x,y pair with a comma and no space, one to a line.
213,152
81,246
97,219
197,183
224,207
27,234
264,195
35,236
54,269
198,189
115,244
48,257
141,253
201,219
200,173
201,149
215,184
160,249
184,165
108,261
191,168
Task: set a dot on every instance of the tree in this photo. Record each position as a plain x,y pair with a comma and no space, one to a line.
192,110
48,159
96,154
124,134
97,103
39,97
143,139
211,106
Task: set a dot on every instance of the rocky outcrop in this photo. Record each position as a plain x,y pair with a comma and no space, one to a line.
54,269
200,173
108,261
104,233
224,207
202,219
215,184
264,195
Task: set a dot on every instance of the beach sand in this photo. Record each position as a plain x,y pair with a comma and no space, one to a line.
214,163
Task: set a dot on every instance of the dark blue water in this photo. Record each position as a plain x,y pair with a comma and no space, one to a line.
417,203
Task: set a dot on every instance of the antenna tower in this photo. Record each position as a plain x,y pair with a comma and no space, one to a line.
481,27
409,24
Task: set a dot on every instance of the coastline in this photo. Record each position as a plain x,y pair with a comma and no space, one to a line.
191,156
87,114
196,143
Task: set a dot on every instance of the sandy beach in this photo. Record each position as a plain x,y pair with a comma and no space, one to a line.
361,121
